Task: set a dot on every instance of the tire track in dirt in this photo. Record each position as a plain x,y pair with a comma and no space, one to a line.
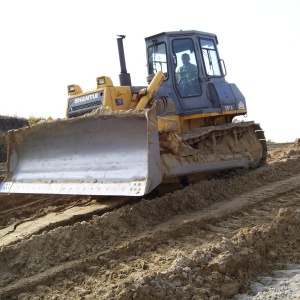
188,238
36,225
210,239
15,208
142,228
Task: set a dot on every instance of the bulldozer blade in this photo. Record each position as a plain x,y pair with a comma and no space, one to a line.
102,153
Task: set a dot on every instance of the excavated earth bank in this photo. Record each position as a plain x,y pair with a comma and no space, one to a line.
210,240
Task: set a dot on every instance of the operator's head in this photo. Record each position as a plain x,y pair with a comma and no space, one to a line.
185,58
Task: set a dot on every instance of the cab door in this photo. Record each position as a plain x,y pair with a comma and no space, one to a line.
187,73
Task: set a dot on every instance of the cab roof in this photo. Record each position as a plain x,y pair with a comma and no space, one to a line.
183,32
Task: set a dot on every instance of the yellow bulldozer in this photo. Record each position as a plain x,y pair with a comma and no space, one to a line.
127,140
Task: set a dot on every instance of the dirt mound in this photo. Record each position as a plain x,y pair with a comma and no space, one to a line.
207,241
8,123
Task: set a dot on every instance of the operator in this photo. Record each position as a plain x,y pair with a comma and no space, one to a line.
188,77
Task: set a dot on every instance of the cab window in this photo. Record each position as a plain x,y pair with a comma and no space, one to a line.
210,57
157,59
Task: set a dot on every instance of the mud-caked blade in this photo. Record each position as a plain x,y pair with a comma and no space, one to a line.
103,153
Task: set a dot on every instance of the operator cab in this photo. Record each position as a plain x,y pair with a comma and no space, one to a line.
194,72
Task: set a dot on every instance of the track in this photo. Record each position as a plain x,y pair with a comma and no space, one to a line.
210,239
213,149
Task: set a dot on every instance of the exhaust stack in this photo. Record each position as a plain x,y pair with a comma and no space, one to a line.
124,77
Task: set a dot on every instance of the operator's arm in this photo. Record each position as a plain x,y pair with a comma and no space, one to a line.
178,75
193,74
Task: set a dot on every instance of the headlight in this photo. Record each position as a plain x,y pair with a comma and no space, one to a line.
71,88
74,89
101,80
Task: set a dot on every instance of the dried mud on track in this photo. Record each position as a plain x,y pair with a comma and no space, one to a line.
207,241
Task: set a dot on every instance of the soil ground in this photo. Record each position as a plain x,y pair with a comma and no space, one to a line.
209,240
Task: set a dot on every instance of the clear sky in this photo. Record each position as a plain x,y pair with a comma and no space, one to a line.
46,45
